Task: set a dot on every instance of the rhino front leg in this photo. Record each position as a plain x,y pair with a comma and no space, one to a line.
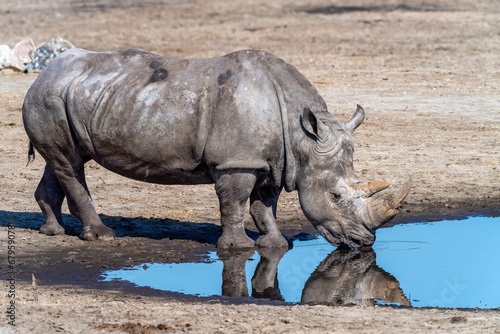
233,188
263,203
50,197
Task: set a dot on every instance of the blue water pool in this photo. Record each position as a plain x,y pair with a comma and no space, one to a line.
440,264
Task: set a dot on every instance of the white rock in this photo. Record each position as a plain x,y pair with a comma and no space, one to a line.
4,55
22,50
20,54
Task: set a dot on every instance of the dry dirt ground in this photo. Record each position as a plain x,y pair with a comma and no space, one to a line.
427,73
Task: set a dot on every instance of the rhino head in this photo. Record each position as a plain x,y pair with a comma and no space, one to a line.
344,210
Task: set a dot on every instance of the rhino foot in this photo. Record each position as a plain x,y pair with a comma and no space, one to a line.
272,241
231,242
101,232
52,229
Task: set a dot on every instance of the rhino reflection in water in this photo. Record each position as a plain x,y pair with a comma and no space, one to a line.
247,122
265,279
342,278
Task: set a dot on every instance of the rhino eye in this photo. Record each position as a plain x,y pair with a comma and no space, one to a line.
338,195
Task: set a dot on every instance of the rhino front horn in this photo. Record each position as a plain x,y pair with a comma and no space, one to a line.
405,190
381,211
370,188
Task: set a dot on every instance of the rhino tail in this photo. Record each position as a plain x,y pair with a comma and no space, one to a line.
31,153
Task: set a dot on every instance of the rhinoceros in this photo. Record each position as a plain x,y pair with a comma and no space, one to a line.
247,122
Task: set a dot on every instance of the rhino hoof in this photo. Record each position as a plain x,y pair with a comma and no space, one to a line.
52,229
235,243
272,241
100,232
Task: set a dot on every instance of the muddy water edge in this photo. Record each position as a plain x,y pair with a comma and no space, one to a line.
311,272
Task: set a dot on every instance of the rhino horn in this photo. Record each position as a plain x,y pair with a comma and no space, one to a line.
405,190
370,188
356,120
381,210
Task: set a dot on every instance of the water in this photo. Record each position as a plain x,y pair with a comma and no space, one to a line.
443,264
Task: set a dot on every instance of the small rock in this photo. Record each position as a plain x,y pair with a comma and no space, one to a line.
46,52
20,54
458,320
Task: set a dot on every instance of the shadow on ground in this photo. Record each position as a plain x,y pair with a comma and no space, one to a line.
152,228
333,10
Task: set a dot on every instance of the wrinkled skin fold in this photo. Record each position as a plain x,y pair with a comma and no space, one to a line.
247,122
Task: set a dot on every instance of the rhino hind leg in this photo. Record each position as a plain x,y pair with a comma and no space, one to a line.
50,197
233,188
81,205
53,137
263,203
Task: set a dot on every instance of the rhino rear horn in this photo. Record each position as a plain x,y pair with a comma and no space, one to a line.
356,120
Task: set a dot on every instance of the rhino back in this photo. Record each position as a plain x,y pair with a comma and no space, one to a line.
183,115
171,120
137,116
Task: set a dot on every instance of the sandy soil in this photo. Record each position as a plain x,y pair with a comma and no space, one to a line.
427,75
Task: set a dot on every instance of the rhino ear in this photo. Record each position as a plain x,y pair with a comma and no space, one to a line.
313,125
356,120
315,128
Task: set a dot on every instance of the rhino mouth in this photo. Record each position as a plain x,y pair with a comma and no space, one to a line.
346,233
355,240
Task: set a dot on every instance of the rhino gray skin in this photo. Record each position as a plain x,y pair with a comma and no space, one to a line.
246,121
